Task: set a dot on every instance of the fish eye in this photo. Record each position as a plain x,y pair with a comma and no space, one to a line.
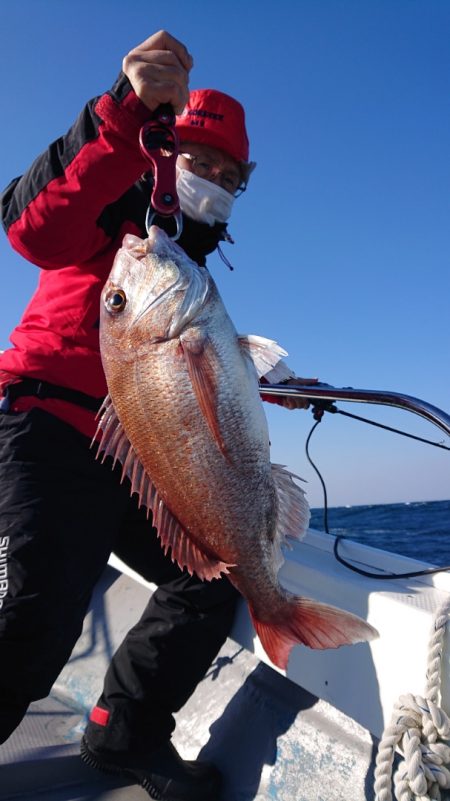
115,300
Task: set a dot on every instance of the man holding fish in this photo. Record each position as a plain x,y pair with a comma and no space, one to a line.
162,327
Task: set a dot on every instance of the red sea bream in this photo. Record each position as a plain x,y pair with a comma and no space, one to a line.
185,419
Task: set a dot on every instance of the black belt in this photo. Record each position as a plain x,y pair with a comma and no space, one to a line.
43,389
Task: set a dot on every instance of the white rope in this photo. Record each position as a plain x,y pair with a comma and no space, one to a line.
417,729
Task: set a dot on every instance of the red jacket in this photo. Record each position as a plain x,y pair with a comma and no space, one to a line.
68,214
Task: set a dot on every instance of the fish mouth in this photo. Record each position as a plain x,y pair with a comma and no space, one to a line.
162,245
157,242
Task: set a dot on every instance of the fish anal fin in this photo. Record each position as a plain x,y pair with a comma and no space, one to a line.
203,366
310,623
187,554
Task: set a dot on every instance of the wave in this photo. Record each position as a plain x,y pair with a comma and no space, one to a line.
419,529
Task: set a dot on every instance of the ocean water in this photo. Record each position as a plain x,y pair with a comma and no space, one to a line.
418,530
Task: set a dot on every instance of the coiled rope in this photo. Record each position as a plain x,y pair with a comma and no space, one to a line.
418,730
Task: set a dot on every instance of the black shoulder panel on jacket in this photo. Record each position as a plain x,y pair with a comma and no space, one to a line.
121,88
49,165
197,239
132,205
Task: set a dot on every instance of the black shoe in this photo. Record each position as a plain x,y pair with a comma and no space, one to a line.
165,776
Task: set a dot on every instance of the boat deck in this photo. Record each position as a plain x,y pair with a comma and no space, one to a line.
272,736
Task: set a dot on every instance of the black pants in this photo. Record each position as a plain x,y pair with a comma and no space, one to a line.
61,514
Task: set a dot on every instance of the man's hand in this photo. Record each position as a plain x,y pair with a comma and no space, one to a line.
293,401
158,70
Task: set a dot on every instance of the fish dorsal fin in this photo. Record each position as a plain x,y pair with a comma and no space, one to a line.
114,442
203,367
293,510
266,356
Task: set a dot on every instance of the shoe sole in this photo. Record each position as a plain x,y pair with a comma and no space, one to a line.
89,759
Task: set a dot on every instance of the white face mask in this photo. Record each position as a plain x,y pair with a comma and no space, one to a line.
203,200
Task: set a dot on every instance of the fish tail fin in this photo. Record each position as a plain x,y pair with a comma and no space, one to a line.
310,623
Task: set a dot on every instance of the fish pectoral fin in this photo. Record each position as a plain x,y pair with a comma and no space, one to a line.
203,367
266,357
293,508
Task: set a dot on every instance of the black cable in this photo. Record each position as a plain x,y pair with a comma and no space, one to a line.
318,412
412,574
324,489
389,428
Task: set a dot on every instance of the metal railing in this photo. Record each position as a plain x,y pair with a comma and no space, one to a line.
325,395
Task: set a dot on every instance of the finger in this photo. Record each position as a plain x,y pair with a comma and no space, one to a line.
163,57
297,403
163,92
146,69
166,93
304,381
155,82
162,40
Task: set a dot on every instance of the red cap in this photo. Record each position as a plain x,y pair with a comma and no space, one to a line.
216,119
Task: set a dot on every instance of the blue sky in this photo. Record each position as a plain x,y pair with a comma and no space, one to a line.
342,240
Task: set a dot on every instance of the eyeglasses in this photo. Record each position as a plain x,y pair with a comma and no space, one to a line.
208,168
